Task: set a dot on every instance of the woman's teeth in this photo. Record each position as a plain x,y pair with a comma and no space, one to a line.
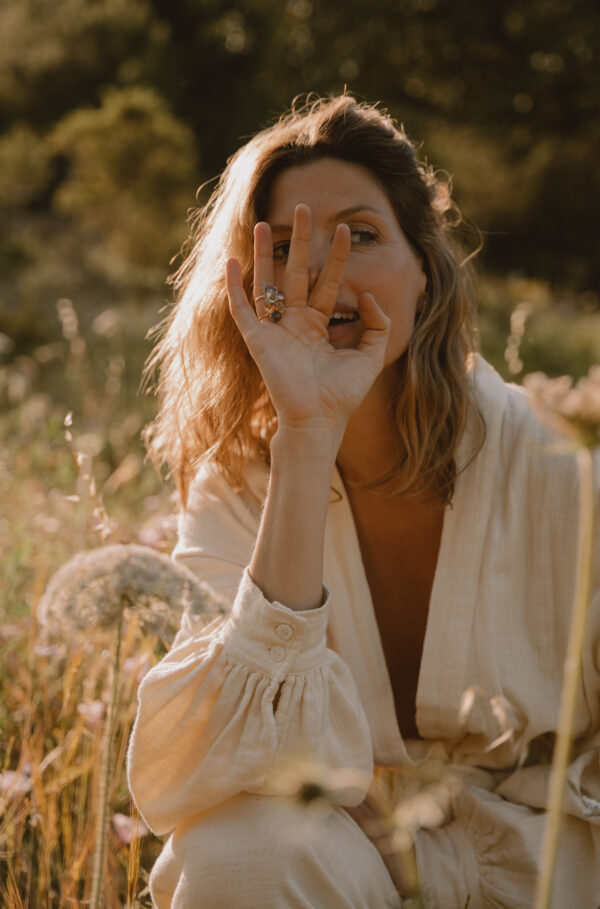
343,317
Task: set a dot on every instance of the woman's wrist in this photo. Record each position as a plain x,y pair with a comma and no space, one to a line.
315,441
287,563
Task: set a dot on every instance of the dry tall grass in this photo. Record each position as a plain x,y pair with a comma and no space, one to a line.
55,692
56,697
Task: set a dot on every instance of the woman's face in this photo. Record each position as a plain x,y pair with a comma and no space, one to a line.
381,260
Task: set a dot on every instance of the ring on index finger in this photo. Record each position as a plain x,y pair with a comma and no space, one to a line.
274,306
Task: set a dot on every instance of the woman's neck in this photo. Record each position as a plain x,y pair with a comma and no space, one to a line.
369,449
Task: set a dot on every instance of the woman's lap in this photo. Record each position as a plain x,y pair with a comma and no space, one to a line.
259,852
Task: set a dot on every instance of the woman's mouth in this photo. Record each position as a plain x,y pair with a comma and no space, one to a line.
341,324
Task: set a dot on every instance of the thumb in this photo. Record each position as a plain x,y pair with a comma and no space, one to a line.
375,323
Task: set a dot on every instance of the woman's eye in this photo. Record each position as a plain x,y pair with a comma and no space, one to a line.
281,251
363,236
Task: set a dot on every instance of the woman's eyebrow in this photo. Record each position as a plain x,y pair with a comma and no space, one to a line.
339,216
353,209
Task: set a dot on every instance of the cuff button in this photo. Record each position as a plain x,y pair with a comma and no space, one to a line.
277,654
285,632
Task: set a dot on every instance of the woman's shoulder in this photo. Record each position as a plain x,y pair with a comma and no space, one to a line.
506,405
496,397
209,484
214,506
515,432
217,528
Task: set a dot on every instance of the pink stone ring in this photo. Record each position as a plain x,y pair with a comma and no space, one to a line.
274,306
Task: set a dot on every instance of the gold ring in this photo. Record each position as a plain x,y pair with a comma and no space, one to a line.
274,305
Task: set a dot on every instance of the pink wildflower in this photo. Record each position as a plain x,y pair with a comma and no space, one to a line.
14,783
127,828
92,712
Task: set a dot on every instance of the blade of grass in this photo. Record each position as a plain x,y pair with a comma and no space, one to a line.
105,779
571,680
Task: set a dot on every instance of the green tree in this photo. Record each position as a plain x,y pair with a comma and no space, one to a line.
131,172
55,56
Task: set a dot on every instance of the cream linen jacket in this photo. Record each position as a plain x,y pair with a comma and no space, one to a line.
498,621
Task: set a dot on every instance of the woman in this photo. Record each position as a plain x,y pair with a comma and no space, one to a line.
377,506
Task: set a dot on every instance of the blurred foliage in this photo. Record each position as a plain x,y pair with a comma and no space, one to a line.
55,56
526,326
131,171
69,488
25,168
501,79
112,112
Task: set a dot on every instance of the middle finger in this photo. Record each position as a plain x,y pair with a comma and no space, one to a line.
296,272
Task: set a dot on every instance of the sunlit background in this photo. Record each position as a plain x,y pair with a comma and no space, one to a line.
114,112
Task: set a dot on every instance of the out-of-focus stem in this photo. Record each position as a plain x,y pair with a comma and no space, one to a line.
105,778
571,679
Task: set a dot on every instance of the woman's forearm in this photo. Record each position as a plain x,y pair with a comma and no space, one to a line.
287,563
314,389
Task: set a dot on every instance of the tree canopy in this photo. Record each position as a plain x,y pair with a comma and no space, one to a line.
113,112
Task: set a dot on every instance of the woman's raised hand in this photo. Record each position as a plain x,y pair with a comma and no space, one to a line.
311,383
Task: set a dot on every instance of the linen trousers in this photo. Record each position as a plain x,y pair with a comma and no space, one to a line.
260,852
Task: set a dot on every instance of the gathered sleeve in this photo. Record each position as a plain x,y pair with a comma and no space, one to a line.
236,699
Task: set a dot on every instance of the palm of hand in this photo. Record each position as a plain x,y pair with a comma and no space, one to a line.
306,377
309,381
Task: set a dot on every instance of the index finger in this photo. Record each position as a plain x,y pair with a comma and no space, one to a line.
263,260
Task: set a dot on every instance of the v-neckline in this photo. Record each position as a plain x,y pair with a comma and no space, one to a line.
388,740
451,607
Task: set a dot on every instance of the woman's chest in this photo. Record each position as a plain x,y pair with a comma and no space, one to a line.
399,554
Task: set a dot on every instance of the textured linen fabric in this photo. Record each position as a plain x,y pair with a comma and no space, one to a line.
206,728
256,852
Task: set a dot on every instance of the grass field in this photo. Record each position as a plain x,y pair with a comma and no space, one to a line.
72,477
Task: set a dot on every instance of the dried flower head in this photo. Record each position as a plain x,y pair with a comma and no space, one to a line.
423,804
570,409
93,588
309,782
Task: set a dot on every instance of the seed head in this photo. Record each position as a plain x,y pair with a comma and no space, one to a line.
307,781
93,588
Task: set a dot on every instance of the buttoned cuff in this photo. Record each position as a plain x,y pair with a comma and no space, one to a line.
271,637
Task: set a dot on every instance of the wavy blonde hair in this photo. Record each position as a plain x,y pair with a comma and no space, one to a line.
213,401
